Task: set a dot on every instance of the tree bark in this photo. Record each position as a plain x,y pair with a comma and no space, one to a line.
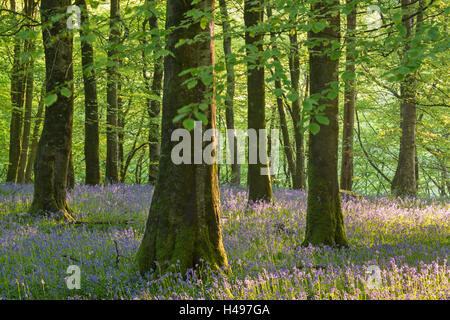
35,138
349,103
17,97
280,107
299,178
324,218
112,145
229,112
404,182
55,143
29,8
27,116
91,125
183,224
120,125
259,186
71,174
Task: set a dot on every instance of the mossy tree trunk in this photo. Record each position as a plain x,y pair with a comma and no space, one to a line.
324,218
183,224
91,125
259,185
349,103
55,144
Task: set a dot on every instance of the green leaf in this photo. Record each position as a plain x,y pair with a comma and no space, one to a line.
184,110
293,96
314,128
278,92
192,84
50,99
203,22
308,104
189,123
203,106
433,34
347,75
66,92
318,26
322,120
179,117
200,116
397,18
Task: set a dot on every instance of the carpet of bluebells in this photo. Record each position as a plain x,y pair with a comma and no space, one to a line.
407,239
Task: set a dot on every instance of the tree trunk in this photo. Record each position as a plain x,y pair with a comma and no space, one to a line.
404,182
184,224
229,113
55,143
91,125
324,218
17,97
280,107
349,103
299,179
112,145
120,125
259,185
35,138
71,174
153,105
27,118
29,9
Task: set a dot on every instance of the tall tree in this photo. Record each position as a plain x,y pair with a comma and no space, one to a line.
299,179
55,144
17,99
229,112
184,224
280,105
324,218
404,182
153,104
35,138
112,144
259,185
349,101
91,125
29,10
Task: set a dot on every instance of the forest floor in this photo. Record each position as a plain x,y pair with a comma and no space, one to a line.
409,240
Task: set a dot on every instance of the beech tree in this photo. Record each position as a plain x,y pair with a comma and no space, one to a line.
404,182
324,218
299,178
259,186
150,25
349,101
112,143
183,225
29,9
17,101
55,143
91,125
229,103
